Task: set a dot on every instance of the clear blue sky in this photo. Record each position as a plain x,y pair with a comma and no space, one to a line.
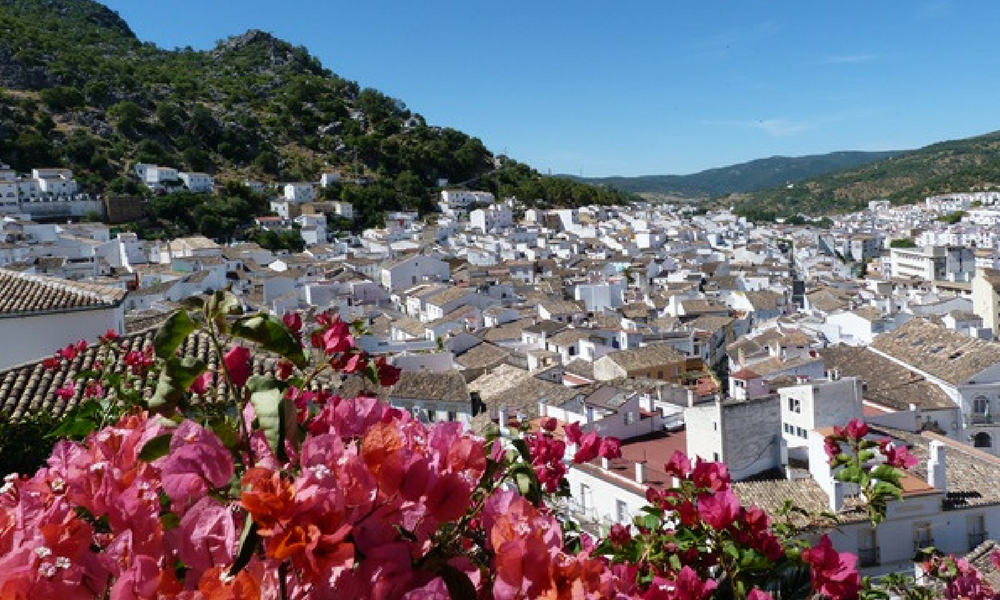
641,87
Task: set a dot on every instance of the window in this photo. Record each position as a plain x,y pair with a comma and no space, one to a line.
868,555
715,425
452,415
802,432
585,497
715,456
621,511
922,537
982,440
794,405
975,526
630,417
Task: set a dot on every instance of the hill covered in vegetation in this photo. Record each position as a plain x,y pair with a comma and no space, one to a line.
79,89
963,165
745,177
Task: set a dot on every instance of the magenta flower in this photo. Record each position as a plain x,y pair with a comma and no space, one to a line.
197,463
719,510
857,429
834,574
237,362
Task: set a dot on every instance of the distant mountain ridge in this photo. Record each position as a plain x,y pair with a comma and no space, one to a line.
963,165
752,176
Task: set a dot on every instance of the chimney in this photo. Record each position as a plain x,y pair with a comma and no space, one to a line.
543,408
502,418
640,472
937,469
605,463
837,497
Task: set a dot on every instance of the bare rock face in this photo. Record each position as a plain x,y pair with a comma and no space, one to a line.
15,74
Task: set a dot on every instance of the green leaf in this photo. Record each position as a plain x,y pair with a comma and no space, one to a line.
156,447
79,422
172,333
522,448
849,474
176,377
275,413
460,587
193,303
248,545
170,521
221,305
269,331
886,473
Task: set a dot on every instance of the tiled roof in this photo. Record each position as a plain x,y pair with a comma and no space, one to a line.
28,388
484,355
22,294
946,354
646,357
970,480
448,386
886,382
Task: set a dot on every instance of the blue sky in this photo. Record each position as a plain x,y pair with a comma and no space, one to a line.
633,87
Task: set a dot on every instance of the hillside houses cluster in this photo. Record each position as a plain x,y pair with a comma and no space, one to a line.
669,327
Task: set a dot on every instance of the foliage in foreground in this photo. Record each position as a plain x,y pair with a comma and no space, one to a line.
281,489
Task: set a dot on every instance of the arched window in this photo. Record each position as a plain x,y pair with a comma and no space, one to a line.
982,440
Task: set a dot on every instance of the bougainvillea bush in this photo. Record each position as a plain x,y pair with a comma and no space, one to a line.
218,483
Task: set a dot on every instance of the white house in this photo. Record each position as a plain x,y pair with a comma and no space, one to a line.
299,192
201,183
42,314
412,269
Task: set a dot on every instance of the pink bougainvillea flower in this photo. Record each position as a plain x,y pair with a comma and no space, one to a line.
67,391
388,375
756,594
719,509
69,352
711,475
237,362
81,345
679,465
197,462
52,363
832,448
834,574
203,382
897,456
110,336
588,447
610,448
284,370
573,433
856,429
337,338
293,321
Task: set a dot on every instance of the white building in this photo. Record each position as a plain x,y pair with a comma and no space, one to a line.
198,182
299,192
43,314
156,177
454,202
493,218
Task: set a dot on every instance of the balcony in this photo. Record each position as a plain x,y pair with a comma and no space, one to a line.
868,557
981,419
977,538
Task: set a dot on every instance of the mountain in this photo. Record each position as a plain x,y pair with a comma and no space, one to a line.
79,89
745,177
953,166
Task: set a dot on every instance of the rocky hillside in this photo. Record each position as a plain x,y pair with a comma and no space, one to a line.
77,88
954,166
